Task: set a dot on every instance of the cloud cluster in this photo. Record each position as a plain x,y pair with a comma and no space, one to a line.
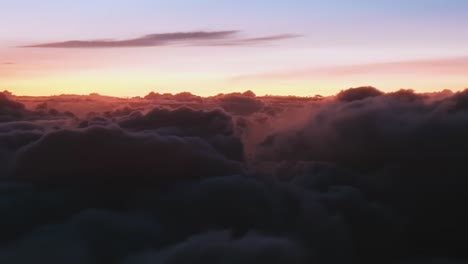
10,110
240,104
360,177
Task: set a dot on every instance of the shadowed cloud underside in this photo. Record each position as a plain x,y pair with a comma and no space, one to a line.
359,177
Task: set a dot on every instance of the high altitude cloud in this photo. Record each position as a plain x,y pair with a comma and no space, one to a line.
443,66
203,38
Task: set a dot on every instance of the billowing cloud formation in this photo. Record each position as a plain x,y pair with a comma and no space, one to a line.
108,155
200,123
221,248
360,177
356,94
203,38
241,104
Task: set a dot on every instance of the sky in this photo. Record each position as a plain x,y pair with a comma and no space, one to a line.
131,47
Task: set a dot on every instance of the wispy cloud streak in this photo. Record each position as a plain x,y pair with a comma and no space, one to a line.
444,66
199,38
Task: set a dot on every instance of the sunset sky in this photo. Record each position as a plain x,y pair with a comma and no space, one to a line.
298,47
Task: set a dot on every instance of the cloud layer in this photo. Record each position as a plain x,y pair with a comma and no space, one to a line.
360,177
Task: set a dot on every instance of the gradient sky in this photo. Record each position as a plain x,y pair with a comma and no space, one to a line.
326,46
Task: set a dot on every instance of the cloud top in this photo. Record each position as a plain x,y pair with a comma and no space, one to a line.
363,176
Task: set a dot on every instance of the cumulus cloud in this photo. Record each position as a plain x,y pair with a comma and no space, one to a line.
193,122
98,157
220,248
202,38
355,94
240,104
9,109
360,177
405,145
180,97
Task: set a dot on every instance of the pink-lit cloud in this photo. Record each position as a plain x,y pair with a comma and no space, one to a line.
441,66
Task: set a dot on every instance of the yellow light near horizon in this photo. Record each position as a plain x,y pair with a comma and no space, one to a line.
124,84
130,83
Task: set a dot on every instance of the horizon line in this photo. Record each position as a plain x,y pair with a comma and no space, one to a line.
230,93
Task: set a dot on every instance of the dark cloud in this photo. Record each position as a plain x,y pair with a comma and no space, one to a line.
215,126
99,157
360,177
14,139
408,147
193,122
315,220
90,236
180,97
221,248
202,38
433,261
9,109
24,208
240,104
355,94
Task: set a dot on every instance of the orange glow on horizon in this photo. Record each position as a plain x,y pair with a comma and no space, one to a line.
45,73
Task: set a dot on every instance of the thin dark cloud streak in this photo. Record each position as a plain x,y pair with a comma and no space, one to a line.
271,38
263,41
197,38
